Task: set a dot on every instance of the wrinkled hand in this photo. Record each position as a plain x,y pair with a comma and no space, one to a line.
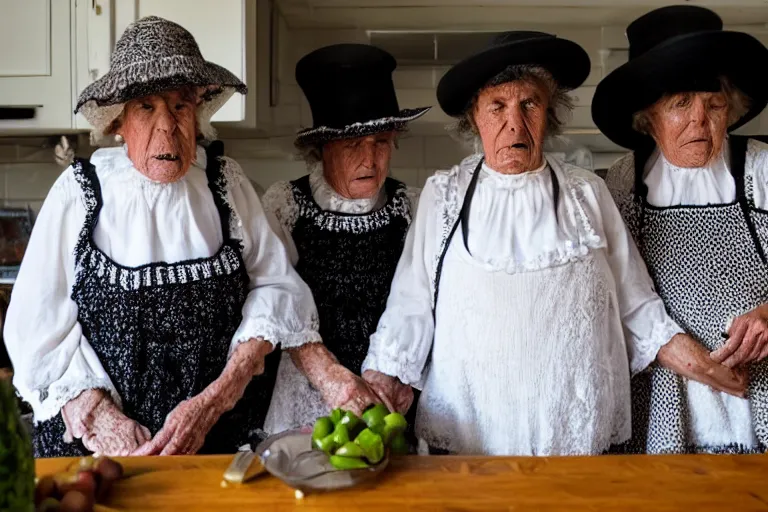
685,356
79,490
347,391
103,428
748,339
395,395
339,387
187,425
185,428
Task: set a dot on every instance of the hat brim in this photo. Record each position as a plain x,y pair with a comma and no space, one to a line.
568,63
675,66
323,134
101,102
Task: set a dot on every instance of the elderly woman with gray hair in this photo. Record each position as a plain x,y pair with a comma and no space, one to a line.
344,225
696,202
544,303
153,288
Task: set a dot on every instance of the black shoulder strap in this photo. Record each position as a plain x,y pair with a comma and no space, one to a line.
85,174
302,184
738,145
464,205
213,165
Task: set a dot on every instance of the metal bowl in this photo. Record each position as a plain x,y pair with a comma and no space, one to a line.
289,456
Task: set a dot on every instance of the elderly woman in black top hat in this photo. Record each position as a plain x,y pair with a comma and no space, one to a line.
696,201
520,302
153,286
344,225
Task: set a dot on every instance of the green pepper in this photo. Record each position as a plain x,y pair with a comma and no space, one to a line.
374,417
350,450
326,444
399,445
336,416
353,423
340,435
323,427
372,445
393,424
348,462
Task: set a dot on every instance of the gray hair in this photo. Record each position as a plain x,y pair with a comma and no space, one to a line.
312,154
738,105
559,105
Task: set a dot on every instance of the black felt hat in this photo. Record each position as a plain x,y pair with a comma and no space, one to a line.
567,62
676,49
350,92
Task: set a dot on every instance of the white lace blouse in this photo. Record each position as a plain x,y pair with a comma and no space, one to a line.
141,222
513,228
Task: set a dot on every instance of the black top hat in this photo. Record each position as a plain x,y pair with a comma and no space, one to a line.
350,92
675,49
566,60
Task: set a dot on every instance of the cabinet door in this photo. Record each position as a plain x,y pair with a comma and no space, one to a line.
35,64
219,29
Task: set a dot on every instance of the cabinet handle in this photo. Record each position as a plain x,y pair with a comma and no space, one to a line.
16,113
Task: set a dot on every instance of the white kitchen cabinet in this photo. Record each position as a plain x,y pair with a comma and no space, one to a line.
35,64
52,49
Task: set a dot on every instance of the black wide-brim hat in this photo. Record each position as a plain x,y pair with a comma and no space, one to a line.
154,55
351,94
678,49
568,63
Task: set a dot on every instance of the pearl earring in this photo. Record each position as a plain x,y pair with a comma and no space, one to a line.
118,138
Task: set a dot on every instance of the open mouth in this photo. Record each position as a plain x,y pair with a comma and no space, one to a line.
519,145
168,157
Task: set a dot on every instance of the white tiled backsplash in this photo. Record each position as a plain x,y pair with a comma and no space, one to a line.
28,170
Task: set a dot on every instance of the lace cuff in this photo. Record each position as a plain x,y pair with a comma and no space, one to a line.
52,399
392,362
643,351
251,328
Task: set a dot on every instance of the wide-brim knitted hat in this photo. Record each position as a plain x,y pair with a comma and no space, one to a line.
155,55
351,94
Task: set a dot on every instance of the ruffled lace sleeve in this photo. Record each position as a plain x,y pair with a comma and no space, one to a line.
647,326
282,211
403,339
279,306
53,361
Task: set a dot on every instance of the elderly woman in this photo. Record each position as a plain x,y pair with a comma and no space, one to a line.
696,202
153,286
344,225
544,303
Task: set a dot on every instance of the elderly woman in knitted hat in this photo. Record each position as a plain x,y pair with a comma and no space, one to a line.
344,225
696,202
544,304
153,287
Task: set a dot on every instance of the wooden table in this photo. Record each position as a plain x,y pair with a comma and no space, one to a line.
691,482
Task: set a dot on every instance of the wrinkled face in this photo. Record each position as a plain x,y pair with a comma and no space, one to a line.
160,132
511,119
356,168
690,127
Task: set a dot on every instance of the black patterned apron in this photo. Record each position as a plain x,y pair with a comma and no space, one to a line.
708,264
162,331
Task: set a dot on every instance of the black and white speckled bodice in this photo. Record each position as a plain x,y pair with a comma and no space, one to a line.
162,331
707,266
349,261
